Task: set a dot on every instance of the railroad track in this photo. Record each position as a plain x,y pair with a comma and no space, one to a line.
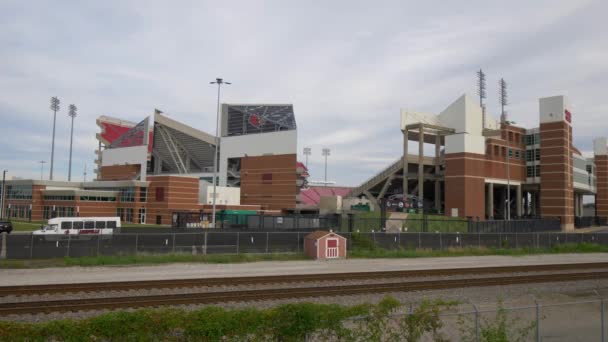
298,278
273,294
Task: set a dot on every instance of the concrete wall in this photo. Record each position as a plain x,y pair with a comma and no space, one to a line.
225,195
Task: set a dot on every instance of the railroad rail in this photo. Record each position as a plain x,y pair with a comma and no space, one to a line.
20,290
273,294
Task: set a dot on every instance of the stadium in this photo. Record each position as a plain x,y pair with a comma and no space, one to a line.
481,169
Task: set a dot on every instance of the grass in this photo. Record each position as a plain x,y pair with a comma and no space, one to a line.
476,251
123,260
362,252
26,226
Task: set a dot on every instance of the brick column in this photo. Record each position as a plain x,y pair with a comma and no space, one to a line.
556,189
601,174
465,184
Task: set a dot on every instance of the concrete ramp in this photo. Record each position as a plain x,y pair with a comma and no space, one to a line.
395,222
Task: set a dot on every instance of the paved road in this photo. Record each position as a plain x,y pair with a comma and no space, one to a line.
181,271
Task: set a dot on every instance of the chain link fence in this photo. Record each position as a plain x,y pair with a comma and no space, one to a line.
583,320
27,246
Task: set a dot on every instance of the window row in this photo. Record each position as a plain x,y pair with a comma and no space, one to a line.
495,150
88,225
58,198
533,171
532,139
98,198
532,155
18,211
125,214
48,212
511,136
19,192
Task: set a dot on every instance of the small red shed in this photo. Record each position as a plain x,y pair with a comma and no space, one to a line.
322,244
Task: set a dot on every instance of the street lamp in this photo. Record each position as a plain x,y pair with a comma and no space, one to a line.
325,154
55,108
219,82
42,162
72,114
509,151
307,152
2,198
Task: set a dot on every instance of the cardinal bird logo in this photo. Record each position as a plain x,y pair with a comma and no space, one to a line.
255,120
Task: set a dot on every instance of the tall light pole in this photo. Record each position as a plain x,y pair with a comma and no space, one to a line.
72,114
2,198
508,183
55,108
307,152
325,154
219,82
42,162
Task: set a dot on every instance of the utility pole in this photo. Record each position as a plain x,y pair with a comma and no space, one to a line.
3,195
84,174
55,108
72,114
42,162
325,154
307,152
509,183
219,82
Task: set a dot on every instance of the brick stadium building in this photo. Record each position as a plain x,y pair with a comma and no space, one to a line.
469,173
146,171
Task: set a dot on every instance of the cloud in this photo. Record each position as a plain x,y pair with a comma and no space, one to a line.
346,66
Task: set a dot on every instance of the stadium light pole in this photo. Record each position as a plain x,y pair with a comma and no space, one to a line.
55,108
72,114
2,198
307,152
219,82
42,162
325,154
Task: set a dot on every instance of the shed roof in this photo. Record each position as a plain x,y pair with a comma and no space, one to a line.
317,234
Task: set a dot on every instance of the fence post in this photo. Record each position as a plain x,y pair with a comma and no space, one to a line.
205,243
266,242
237,243
299,242
516,245
136,241
602,316
173,247
69,239
3,247
476,323
537,322
98,238
399,239
537,242
419,240
440,242
32,246
499,240
478,239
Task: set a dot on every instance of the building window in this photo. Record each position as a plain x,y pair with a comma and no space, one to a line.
58,198
143,192
503,151
98,198
537,170
127,194
517,138
529,155
517,154
537,154
160,194
496,150
19,192
266,178
589,168
530,171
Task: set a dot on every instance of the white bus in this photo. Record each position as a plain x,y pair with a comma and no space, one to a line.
81,226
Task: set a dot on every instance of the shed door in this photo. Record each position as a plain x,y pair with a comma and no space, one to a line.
332,248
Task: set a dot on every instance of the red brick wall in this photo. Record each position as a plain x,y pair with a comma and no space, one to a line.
269,181
119,172
556,192
601,199
179,194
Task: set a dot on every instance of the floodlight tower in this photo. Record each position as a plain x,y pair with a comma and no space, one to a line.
72,114
481,91
503,99
219,82
325,154
307,152
55,108
42,162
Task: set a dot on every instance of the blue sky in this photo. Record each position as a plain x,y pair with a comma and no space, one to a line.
347,66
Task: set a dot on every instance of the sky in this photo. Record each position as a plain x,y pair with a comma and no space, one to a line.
348,67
